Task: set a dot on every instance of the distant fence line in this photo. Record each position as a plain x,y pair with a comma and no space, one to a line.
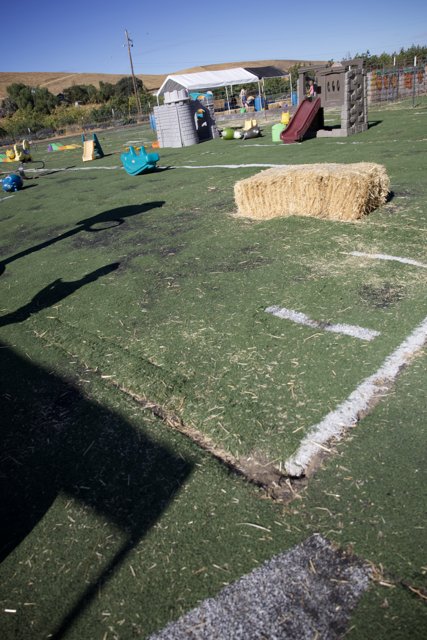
386,84
392,84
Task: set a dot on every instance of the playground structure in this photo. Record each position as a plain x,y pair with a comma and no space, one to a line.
340,85
249,130
92,149
12,182
136,163
57,146
307,121
182,122
19,153
249,124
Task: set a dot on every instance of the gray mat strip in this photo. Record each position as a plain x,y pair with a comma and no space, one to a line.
308,592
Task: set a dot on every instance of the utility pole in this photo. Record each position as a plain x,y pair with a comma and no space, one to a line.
135,88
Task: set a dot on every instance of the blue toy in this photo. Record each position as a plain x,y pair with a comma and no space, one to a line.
12,182
136,163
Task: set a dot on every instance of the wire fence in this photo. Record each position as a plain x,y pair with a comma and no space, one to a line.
391,84
385,84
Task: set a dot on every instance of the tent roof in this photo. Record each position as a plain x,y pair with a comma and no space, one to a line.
268,72
207,80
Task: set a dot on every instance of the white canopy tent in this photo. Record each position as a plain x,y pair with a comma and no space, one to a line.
208,80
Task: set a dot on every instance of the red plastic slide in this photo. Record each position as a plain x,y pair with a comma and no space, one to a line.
303,119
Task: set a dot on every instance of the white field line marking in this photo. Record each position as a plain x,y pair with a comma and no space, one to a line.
358,403
300,318
383,256
5,198
208,166
229,166
256,144
48,171
90,168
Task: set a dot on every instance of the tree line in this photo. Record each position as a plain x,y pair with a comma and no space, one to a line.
29,109
402,58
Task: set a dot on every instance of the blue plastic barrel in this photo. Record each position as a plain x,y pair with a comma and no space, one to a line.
259,103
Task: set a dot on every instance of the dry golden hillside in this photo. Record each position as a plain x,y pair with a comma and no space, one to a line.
57,81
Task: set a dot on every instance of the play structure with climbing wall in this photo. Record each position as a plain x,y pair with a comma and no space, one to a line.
342,85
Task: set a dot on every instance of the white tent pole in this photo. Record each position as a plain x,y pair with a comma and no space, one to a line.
228,101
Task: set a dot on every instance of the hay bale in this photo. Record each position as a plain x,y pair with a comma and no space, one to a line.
330,191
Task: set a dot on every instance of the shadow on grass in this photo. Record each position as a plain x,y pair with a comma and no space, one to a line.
374,123
56,441
54,293
94,224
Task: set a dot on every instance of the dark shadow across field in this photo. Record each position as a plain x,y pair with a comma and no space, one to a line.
107,219
55,440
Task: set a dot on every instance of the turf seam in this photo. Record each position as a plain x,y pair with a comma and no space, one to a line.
283,483
267,477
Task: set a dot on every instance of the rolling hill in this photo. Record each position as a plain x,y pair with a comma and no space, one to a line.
56,82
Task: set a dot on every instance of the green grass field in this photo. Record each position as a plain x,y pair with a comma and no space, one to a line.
134,307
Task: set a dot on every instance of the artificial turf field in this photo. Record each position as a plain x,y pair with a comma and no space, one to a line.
133,306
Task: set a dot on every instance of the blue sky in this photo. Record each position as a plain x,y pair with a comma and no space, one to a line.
168,35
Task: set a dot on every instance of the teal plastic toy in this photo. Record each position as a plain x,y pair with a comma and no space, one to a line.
136,163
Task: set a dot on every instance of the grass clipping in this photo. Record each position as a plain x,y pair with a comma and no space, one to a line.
328,190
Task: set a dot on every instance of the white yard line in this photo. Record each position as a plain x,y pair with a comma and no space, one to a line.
358,403
48,171
301,318
229,166
89,168
383,256
207,166
5,198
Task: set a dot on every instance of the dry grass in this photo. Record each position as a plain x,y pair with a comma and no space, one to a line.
332,191
57,81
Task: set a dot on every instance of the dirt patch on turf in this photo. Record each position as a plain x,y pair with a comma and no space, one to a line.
64,180
240,265
151,237
104,238
381,296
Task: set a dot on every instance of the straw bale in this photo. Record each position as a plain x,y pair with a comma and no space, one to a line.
329,190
